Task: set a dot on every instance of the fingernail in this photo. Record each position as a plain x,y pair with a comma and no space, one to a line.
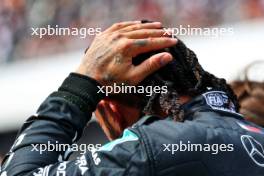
157,23
174,40
165,59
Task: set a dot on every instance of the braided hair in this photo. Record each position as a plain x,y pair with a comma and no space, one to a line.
183,76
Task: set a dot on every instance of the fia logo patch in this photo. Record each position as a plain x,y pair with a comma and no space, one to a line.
218,100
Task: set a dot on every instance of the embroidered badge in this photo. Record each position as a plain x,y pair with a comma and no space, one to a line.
218,100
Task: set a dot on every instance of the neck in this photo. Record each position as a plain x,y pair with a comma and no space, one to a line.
184,99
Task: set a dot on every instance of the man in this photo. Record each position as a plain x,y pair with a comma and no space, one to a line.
190,129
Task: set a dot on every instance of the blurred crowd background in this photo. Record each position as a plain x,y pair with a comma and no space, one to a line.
17,17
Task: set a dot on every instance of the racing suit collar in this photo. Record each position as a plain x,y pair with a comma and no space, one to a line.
216,101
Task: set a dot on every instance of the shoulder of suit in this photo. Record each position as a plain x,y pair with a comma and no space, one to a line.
146,120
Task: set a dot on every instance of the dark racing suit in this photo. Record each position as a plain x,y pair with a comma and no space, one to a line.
213,140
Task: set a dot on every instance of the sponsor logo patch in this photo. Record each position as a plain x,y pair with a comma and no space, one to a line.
254,149
81,162
218,100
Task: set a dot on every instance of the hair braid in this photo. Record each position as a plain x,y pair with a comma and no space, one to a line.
183,76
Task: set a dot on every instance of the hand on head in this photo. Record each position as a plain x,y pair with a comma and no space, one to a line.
109,60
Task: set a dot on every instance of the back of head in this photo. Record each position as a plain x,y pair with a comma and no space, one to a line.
183,76
251,98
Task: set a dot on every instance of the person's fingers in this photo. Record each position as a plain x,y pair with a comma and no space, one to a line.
146,33
138,46
154,25
121,25
150,65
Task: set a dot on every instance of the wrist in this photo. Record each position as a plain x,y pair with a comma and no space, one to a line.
80,90
83,71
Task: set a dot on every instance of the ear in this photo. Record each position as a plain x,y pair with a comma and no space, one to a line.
109,119
116,114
